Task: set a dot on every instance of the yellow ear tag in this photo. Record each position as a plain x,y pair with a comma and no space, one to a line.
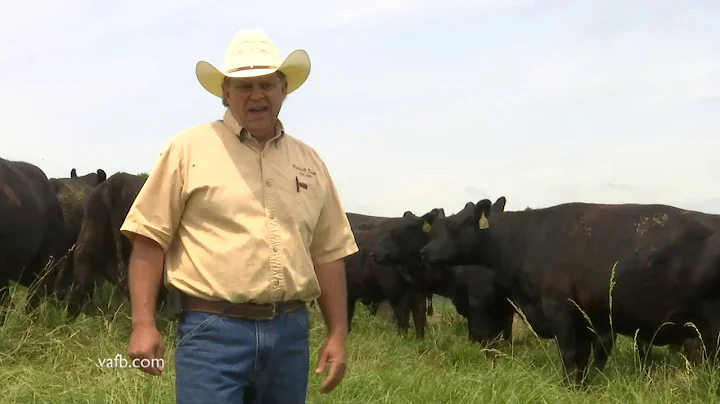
426,227
484,224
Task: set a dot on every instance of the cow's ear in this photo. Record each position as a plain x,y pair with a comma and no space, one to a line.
431,216
499,205
101,176
482,213
73,173
408,214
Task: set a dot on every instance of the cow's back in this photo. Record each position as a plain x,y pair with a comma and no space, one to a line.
123,189
364,222
31,222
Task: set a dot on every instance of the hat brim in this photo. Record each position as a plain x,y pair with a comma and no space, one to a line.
296,68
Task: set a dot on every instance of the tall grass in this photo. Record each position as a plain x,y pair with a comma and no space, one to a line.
44,359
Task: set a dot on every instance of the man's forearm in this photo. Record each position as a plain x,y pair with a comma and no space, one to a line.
145,274
333,300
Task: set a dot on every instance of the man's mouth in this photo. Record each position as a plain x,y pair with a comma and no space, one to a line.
257,110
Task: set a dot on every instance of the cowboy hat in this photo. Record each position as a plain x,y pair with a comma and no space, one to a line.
251,53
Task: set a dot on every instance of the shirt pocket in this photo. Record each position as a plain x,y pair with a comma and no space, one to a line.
305,199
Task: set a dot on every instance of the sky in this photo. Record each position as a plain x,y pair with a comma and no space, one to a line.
411,104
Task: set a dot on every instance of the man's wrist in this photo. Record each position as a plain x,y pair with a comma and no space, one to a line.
338,333
143,323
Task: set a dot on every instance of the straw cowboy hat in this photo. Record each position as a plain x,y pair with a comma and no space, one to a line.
251,53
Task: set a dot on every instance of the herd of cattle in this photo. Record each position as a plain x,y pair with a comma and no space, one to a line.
580,273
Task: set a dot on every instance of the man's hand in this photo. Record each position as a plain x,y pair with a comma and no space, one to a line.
333,353
145,280
147,343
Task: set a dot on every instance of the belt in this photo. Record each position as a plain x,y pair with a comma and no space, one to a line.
252,311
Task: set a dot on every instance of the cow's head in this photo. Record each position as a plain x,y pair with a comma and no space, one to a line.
402,243
491,313
455,239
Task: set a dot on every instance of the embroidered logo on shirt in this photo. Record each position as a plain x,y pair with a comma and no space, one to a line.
304,172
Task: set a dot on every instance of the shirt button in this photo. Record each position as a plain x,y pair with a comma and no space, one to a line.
268,183
271,216
275,249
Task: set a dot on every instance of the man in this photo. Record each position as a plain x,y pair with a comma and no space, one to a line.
248,226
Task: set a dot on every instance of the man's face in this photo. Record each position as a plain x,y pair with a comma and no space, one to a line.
255,102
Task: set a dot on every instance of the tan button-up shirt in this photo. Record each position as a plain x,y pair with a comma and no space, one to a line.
238,222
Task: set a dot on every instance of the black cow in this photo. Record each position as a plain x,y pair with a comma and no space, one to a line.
32,232
469,287
102,252
72,193
364,222
360,222
414,271
372,283
666,270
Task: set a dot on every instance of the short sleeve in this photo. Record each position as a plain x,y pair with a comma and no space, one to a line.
333,238
157,209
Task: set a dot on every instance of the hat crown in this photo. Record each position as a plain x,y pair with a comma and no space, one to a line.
251,48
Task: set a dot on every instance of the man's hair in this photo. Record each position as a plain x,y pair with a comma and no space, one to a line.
281,75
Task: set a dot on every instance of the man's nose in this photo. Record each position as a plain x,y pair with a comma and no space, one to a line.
256,94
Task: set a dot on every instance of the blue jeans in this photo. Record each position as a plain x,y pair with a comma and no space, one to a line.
230,360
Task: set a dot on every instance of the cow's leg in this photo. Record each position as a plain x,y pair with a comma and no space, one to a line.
119,293
373,308
350,311
401,310
430,309
119,253
81,293
44,280
4,290
710,339
508,326
4,296
693,347
583,346
474,320
603,344
644,350
85,283
419,301
563,326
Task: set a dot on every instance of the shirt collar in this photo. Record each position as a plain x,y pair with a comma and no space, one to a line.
242,134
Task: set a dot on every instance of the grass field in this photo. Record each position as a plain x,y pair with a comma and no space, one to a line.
42,360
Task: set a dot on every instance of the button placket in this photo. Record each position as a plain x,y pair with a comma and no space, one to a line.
272,226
